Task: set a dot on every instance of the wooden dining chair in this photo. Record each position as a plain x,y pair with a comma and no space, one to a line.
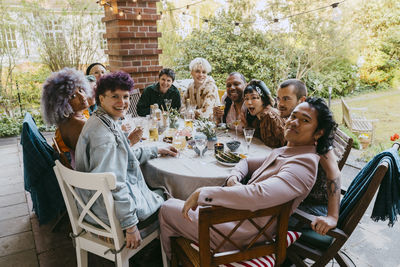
133,100
342,145
104,240
270,253
321,249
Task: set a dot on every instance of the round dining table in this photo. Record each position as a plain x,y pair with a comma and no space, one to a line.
180,176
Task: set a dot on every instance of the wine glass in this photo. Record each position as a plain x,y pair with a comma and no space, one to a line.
201,141
222,108
236,123
248,136
127,124
179,142
168,103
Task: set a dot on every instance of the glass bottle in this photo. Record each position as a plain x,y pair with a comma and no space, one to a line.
151,111
153,130
157,112
189,115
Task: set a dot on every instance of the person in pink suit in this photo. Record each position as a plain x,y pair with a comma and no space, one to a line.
288,173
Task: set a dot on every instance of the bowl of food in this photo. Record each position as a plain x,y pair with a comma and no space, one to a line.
233,145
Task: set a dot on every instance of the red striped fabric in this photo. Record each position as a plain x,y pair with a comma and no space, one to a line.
264,261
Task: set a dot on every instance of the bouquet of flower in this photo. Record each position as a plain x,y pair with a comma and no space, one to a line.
205,126
173,115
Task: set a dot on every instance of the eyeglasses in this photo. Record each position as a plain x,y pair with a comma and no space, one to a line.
118,97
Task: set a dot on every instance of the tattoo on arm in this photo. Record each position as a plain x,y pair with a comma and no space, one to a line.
333,186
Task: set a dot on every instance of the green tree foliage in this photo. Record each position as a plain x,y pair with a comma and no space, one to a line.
249,52
309,48
379,22
65,37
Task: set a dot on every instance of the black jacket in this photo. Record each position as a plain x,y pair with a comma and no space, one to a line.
152,95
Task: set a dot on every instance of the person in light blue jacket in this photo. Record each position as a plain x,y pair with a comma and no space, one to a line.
102,147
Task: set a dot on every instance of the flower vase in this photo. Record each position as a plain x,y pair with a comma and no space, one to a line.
173,123
211,142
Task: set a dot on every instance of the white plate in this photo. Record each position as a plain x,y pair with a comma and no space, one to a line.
228,164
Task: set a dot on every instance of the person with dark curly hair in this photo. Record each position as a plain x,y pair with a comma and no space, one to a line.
64,100
97,70
324,198
262,116
103,147
287,173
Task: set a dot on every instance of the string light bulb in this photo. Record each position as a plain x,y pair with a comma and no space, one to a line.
139,16
134,1
121,13
336,12
205,25
236,30
102,2
111,8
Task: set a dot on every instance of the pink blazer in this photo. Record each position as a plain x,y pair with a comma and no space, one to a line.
288,173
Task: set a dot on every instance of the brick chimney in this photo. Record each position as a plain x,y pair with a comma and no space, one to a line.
133,39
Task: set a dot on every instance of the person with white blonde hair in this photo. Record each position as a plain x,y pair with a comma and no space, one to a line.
202,92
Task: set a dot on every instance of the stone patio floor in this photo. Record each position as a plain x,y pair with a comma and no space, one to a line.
24,243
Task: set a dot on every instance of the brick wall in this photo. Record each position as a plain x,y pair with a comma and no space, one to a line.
132,42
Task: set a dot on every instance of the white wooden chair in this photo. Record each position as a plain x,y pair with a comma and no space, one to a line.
105,241
133,100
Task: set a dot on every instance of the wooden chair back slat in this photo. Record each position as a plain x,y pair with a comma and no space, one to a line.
357,124
209,216
342,146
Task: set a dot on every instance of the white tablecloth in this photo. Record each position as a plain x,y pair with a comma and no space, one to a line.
182,176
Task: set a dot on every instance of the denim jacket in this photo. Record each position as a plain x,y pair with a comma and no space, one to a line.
102,147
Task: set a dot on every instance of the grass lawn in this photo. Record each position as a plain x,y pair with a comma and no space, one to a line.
383,106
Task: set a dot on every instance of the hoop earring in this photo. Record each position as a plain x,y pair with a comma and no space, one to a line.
66,115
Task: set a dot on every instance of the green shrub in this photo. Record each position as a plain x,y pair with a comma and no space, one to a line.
10,126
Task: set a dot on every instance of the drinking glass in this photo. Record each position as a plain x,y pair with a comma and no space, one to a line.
168,103
236,123
179,142
248,136
139,123
127,124
201,141
222,108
